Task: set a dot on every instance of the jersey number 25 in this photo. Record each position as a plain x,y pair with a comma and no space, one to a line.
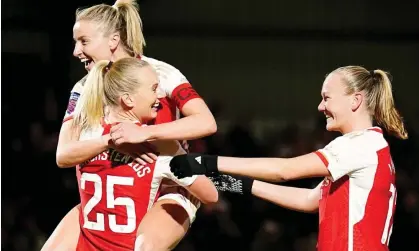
111,202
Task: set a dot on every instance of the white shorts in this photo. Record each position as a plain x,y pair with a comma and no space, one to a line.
182,196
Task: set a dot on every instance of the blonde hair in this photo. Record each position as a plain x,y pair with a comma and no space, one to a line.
104,86
123,18
380,102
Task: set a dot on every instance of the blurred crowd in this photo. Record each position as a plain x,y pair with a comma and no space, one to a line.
37,194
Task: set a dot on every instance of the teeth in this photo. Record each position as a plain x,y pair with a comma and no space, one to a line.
84,60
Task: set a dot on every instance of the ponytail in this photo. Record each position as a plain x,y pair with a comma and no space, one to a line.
131,26
385,112
89,109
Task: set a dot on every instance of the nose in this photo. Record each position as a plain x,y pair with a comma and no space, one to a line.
321,106
77,50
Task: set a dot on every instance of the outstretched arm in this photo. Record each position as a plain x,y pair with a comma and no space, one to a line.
275,169
294,198
270,169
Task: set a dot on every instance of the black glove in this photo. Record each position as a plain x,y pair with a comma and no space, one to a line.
190,164
233,184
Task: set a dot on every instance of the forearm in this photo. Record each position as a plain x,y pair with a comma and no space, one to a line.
298,199
204,190
269,169
76,152
187,128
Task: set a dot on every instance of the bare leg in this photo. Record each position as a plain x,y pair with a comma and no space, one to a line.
66,234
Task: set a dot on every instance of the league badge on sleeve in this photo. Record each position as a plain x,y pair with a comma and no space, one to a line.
72,103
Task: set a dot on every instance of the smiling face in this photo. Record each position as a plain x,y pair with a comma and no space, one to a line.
146,103
92,45
142,102
336,104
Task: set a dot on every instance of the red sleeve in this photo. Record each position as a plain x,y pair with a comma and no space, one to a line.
183,93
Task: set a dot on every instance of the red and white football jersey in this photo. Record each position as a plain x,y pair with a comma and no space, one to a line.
174,91
116,193
357,202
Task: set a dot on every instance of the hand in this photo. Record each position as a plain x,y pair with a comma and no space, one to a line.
187,165
127,132
141,153
233,184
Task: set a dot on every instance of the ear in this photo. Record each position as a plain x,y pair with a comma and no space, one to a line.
127,101
357,100
114,40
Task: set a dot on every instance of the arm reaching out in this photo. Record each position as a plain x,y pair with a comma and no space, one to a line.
270,169
293,198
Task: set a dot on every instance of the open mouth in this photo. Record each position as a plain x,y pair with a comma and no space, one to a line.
88,63
328,116
156,106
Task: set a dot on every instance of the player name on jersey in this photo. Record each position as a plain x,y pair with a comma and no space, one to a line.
116,158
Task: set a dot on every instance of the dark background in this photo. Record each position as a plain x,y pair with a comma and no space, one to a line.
258,64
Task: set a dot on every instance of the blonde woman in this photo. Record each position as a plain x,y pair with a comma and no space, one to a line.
357,198
104,32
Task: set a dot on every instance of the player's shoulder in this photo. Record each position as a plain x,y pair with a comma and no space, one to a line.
370,139
92,133
78,87
164,70
359,143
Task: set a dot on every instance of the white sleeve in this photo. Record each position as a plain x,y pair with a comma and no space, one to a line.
74,97
344,156
163,165
170,78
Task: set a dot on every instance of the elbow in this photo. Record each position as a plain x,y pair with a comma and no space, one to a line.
210,195
280,177
60,160
211,127
283,174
